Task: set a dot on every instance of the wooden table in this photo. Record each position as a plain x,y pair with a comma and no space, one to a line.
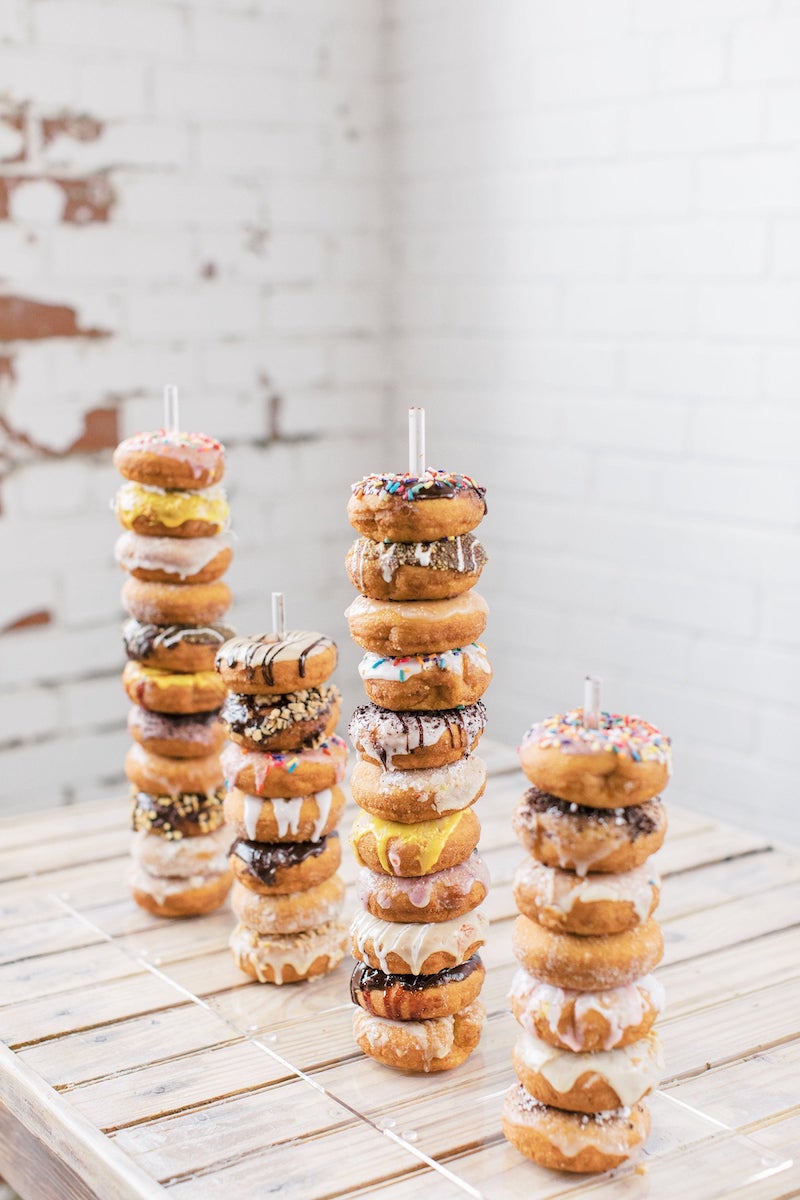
138,1062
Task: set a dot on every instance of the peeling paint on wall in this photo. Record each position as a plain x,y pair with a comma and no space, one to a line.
22,319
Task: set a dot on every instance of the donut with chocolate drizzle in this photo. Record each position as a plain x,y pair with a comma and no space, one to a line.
269,663
417,997
410,740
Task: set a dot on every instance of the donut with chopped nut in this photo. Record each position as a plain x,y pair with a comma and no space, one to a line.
416,740
427,681
177,603
577,838
420,795
273,723
277,868
290,957
271,663
173,560
177,648
176,735
417,997
155,512
299,819
573,1141
392,627
416,508
187,815
173,692
285,773
416,570
623,760
169,459
589,962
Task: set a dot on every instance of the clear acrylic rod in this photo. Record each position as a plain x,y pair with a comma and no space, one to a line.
278,614
591,702
416,442
171,416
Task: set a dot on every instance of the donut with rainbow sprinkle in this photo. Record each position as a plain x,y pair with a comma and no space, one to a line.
165,459
623,761
416,508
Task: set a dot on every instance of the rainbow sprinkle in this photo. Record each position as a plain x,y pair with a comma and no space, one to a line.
411,487
618,734
165,437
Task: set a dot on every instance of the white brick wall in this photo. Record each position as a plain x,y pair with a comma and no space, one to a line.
593,284
598,300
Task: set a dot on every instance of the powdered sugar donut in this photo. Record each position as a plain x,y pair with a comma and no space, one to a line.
289,913
567,1141
392,627
420,795
416,740
414,849
296,819
421,1046
285,773
277,868
291,957
441,896
571,903
173,560
274,723
592,1082
624,761
580,1021
415,570
589,962
417,997
413,949
415,508
422,681
269,663
168,459
582,839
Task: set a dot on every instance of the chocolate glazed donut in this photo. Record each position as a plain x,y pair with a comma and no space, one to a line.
416,997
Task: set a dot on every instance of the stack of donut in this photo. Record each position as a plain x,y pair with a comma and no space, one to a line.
586,940
415,939
175,515
283,766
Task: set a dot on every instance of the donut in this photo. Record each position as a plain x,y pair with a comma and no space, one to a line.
566,1141
299,819
399,627
173,560
172,776
588,1082
415,570
181,603
275,868
591,962
289,913
397,948
176,735
581,839
268,663
447,680
164,896
174,817
154,512
285,773
290,722
571,903
441,896
166,692
418,848
181,649
624,761
416,740
288,958
417,997
181,858
581,1021
415,508
420,795
169,459
420,1046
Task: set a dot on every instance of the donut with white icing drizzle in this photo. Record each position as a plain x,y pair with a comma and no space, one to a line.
415,570
416,949
295,819
291,957
571,903
173,560
269,663
580,1020
422,681
588,1082
421,1046
285,773
573,1141
416,740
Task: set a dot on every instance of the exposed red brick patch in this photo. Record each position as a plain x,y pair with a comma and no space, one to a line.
41,616
100,431
89,199
15,119
22,319
209,270
7,371
78,126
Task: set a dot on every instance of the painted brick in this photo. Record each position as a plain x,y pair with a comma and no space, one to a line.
695,60
766,50
28,712
699,248
762,181
156,30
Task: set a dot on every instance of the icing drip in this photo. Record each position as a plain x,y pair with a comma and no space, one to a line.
421,610
181,557
384,734
257,656
458,880
609,1132
433,1038
622,1007
171,508
296,950
561,890
324,800
413,943
631,1071
252,811
426,838
373,666
235,759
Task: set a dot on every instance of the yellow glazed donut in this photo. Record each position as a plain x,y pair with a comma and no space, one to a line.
172,776
421,1046
289,957
177,603
624,761
418,848
268,663
285,773
581,839
594,1082
398,627
571,903
411,508
588,963
567,1141
298,819
421,795
580,1021
424,681
417,997
168,459
415,570
397,948
416,740
289,913
438,897
277,868
154,512
165,692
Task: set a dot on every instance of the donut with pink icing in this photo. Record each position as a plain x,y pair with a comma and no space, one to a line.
167,459
441,896
573,1141
176,735
570,903
586,1020
285,773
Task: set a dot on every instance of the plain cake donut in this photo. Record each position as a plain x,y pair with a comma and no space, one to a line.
398,627
587,962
